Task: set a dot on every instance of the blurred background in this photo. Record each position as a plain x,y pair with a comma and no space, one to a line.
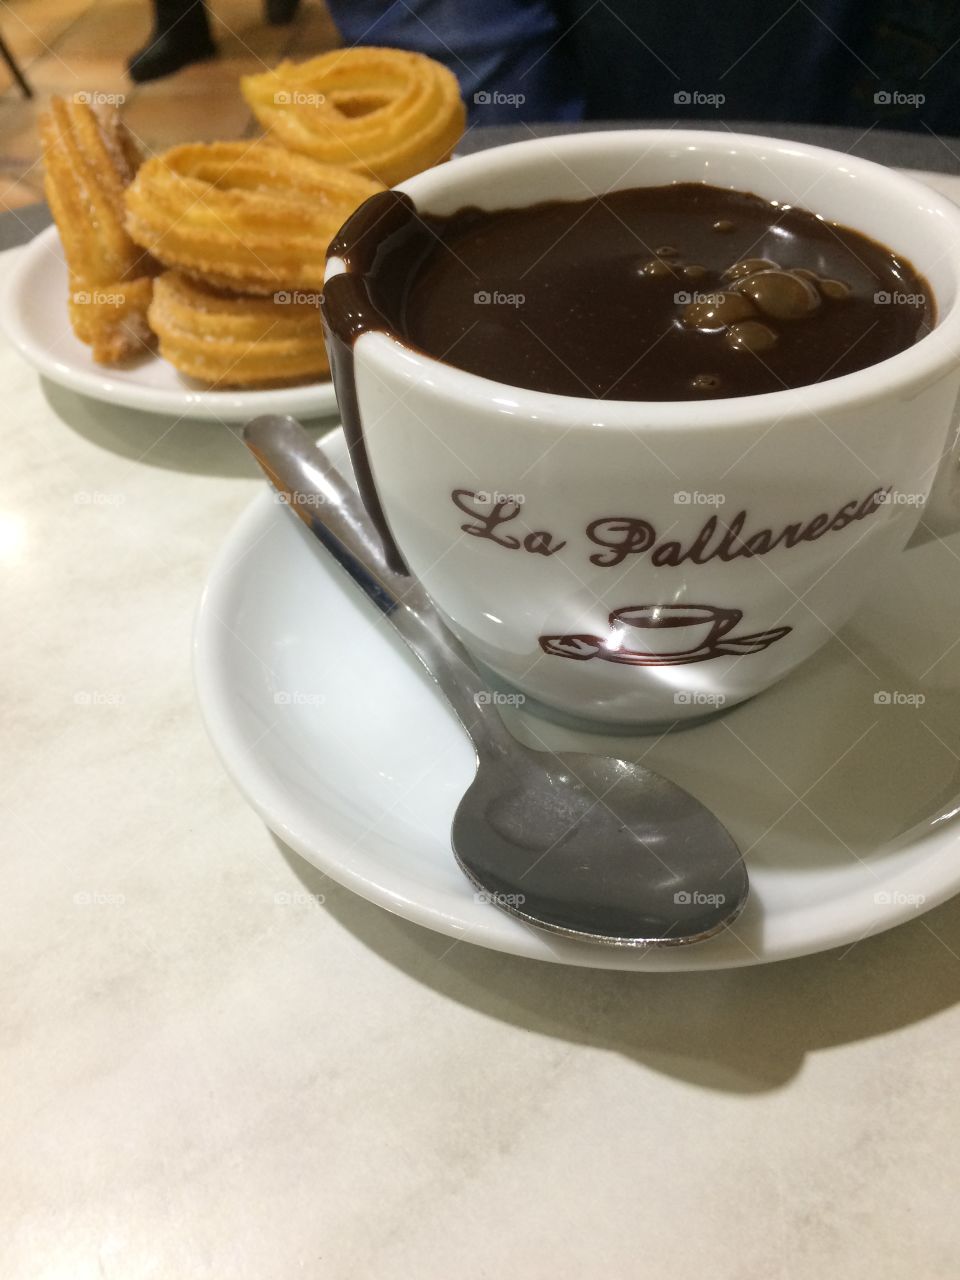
83,46
173,65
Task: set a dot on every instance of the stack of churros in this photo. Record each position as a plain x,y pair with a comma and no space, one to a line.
242,228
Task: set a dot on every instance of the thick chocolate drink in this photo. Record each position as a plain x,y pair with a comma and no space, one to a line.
681,292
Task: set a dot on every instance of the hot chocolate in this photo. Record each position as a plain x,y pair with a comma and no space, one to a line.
680,292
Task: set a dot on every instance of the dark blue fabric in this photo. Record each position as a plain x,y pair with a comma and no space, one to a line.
505,53
892,63
854,62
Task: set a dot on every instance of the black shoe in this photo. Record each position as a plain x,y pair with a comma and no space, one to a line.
280,12
180,36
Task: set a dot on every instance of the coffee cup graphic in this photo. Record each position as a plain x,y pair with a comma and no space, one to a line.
670,629
650,635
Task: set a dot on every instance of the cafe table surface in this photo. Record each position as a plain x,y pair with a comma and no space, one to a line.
218,1063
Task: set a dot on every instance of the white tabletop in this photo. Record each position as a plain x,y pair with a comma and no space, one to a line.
216,1063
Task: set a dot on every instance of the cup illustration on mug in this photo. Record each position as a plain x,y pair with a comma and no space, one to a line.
664,635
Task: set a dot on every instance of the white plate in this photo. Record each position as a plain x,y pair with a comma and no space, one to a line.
33,311
844,805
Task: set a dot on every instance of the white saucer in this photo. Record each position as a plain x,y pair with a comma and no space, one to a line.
334,734
33,312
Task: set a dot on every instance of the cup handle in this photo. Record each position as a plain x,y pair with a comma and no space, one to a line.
941,511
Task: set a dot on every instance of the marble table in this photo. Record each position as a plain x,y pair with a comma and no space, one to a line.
217,1064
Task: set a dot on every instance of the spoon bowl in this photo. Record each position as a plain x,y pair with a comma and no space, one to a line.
598,849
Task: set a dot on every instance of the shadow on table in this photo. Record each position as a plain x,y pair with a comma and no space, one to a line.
191,445
735,1030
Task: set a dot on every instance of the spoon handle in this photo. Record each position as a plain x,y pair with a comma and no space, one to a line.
315,491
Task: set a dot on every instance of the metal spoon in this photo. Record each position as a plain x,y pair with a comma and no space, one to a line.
586,846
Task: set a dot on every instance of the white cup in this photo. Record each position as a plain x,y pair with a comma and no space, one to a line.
568,540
